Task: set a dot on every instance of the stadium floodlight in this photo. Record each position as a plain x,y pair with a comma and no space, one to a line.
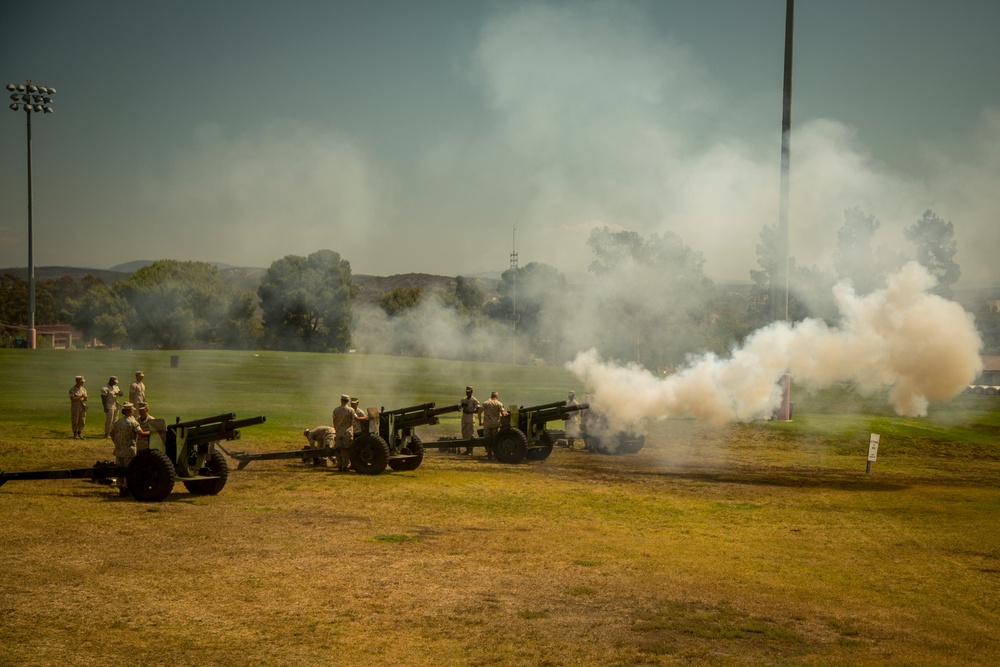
36,99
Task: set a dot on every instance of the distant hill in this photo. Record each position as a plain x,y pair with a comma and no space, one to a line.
56,272
370,288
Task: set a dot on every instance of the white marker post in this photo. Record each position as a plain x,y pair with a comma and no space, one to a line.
872,452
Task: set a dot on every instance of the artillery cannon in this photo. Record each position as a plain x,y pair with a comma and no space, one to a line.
533,422
389,441
522,432
598,437
184,452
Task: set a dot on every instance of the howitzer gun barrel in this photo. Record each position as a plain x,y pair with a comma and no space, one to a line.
415,408
544,406
217,419
211,429
420,415
553,413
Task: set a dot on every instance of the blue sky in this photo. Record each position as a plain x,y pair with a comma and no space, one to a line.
413,136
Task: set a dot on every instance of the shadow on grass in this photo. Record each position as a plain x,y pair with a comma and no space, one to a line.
782,478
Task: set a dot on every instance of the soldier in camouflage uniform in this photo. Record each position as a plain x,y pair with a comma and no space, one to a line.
124,433
470,408
109,397
78,407
318,438
343,424
360,418
145,425
137,391
492,411
572,422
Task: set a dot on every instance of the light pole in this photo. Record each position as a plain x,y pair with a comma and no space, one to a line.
30,98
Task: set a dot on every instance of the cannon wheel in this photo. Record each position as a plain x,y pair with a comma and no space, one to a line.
541,453
511,446
369,454
215,465
150,476
415,448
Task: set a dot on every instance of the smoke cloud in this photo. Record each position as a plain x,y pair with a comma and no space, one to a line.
925,348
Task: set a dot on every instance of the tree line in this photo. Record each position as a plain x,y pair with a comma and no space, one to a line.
647,299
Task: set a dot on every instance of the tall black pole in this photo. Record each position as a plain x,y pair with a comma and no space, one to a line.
779,282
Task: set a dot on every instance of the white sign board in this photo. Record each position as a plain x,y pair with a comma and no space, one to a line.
873,447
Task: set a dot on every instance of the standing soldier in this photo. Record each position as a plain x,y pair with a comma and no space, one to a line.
78,407
572,422
137,392
492,411
145,425
360,418
124,433
343,424
109,396
470,408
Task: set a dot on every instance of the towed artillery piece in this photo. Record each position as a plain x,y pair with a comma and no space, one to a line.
598,437
523,433
389,441
184,452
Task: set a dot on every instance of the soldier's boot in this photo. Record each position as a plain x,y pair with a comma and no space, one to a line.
468,451
489,453
571,443
123,492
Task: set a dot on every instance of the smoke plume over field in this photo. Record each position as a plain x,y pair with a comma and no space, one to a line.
920,345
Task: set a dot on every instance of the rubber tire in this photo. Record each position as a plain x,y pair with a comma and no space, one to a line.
369,454
150,476
593,443
511,446
417,449
541,453
216,465
631,445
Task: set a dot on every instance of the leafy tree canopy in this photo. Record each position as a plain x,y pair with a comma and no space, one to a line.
306,302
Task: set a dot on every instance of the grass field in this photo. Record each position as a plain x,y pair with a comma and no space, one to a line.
750,544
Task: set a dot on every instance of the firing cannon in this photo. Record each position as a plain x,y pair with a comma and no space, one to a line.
598,437
184,452
389,441
522,434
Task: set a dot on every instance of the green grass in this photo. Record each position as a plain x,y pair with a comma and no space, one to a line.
762,543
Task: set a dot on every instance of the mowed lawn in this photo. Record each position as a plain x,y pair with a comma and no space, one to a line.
749,544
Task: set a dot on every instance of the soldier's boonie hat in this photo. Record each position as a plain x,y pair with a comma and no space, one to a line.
79,378
113,379
141,405
140,374
494,395
468,389
572,393
345,397
127,406
354,401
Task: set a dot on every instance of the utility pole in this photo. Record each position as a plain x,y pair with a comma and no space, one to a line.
779,310
513,299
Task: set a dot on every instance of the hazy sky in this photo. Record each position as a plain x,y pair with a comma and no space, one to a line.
412,136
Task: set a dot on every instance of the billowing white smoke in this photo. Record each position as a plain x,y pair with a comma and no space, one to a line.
922,346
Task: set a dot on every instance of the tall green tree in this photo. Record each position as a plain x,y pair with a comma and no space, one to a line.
468,295
935,249
399,299
102,313
306,302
